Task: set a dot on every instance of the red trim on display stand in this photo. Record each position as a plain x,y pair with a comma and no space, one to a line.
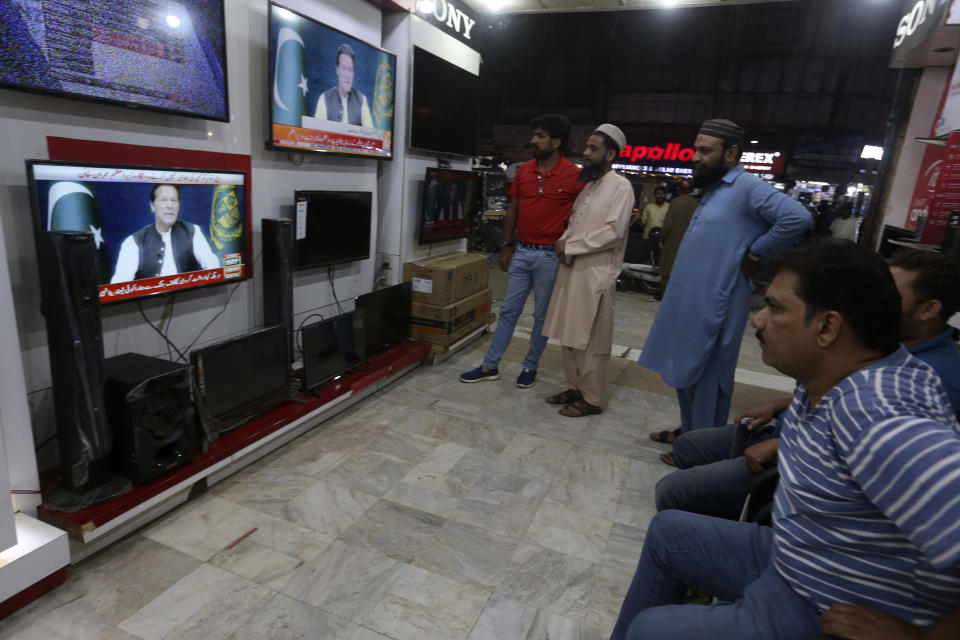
32,592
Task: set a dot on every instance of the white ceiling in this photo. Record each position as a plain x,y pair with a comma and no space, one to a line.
553,6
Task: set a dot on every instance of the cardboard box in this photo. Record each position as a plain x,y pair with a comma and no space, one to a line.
439,351
446,324
444,279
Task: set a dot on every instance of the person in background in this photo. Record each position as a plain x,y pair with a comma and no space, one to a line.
844,225
580,316
343,103
166,246
696,334
654,213
675,225
865,540
540,199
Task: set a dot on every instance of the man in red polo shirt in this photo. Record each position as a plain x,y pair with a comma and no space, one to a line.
540,199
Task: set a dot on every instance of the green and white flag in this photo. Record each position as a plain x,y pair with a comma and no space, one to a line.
289,83
71,206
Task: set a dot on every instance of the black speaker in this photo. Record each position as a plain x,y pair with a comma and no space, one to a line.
152,418
278,275
71,305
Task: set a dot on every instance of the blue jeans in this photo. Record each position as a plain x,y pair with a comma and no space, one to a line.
709,481
730,560
530,269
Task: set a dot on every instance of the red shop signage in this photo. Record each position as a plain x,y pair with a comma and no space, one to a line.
673,151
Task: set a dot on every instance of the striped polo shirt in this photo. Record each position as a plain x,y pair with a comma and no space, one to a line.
868,507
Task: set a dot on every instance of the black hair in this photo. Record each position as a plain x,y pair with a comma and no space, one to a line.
837,275
938,277
661,188
347,50
153,189
555,124
609,143
739,146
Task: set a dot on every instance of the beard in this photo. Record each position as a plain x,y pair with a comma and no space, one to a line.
705,176
540,153
590,172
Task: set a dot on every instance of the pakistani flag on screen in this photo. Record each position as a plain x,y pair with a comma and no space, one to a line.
289,83
72,207
226,223
383,94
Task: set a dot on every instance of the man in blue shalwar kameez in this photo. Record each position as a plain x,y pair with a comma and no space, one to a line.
695,338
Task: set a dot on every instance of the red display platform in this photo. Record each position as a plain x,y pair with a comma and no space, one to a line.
381,365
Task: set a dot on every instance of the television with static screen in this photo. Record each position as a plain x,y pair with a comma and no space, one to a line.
331,227
386,316
329,91
239,378
163,56
156,229
449,204
331,347
443,110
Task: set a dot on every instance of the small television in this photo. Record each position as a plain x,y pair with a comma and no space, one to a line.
386,316
329,91
331,227
236,379
443,113
161,56
449,204
157,229
331,347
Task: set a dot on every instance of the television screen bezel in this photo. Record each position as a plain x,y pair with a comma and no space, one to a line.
352,315
410,105
423,203
294,261
82,97
248,263
270,146
237,416
370,349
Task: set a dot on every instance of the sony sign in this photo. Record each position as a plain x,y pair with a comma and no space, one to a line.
451,16
916,27
913,19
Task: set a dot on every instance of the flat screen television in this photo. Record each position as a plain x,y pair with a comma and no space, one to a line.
331,227
449,204
386,316
239,378
329,91
331,347
443,113
157,229
163,56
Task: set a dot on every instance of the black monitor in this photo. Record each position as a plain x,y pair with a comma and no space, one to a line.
331,227
239,378
386,316
892,239
449,205
331,347
443,110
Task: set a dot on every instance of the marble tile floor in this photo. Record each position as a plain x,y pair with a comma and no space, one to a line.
433,510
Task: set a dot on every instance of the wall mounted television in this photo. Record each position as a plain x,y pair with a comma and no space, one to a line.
162,56
241,377
331,227
449,204
157,229
329,91
331,347
443,110
386,316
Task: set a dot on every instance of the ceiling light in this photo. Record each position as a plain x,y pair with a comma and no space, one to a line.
426,6
754,141
173,21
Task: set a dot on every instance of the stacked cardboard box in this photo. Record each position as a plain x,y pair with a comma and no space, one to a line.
450,297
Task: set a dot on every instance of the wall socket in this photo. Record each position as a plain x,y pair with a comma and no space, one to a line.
388,266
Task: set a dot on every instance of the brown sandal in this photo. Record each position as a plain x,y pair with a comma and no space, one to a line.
564,397
579,409
666,436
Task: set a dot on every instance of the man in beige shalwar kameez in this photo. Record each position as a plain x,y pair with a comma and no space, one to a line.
591,251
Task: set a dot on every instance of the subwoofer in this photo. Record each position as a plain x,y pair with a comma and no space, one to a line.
278,275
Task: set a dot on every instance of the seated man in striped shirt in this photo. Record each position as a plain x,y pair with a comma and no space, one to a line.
866,532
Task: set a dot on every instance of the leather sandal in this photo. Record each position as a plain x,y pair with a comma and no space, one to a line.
579,409
564,397
666,436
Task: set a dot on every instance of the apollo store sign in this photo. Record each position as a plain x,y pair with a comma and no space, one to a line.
674,157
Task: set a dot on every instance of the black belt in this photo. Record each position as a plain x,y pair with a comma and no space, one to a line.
531,245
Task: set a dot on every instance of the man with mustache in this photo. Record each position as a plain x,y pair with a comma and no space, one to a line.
713,483
540,199
591,249
865,540
695,338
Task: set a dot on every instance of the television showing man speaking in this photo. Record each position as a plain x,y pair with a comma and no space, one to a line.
329,91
